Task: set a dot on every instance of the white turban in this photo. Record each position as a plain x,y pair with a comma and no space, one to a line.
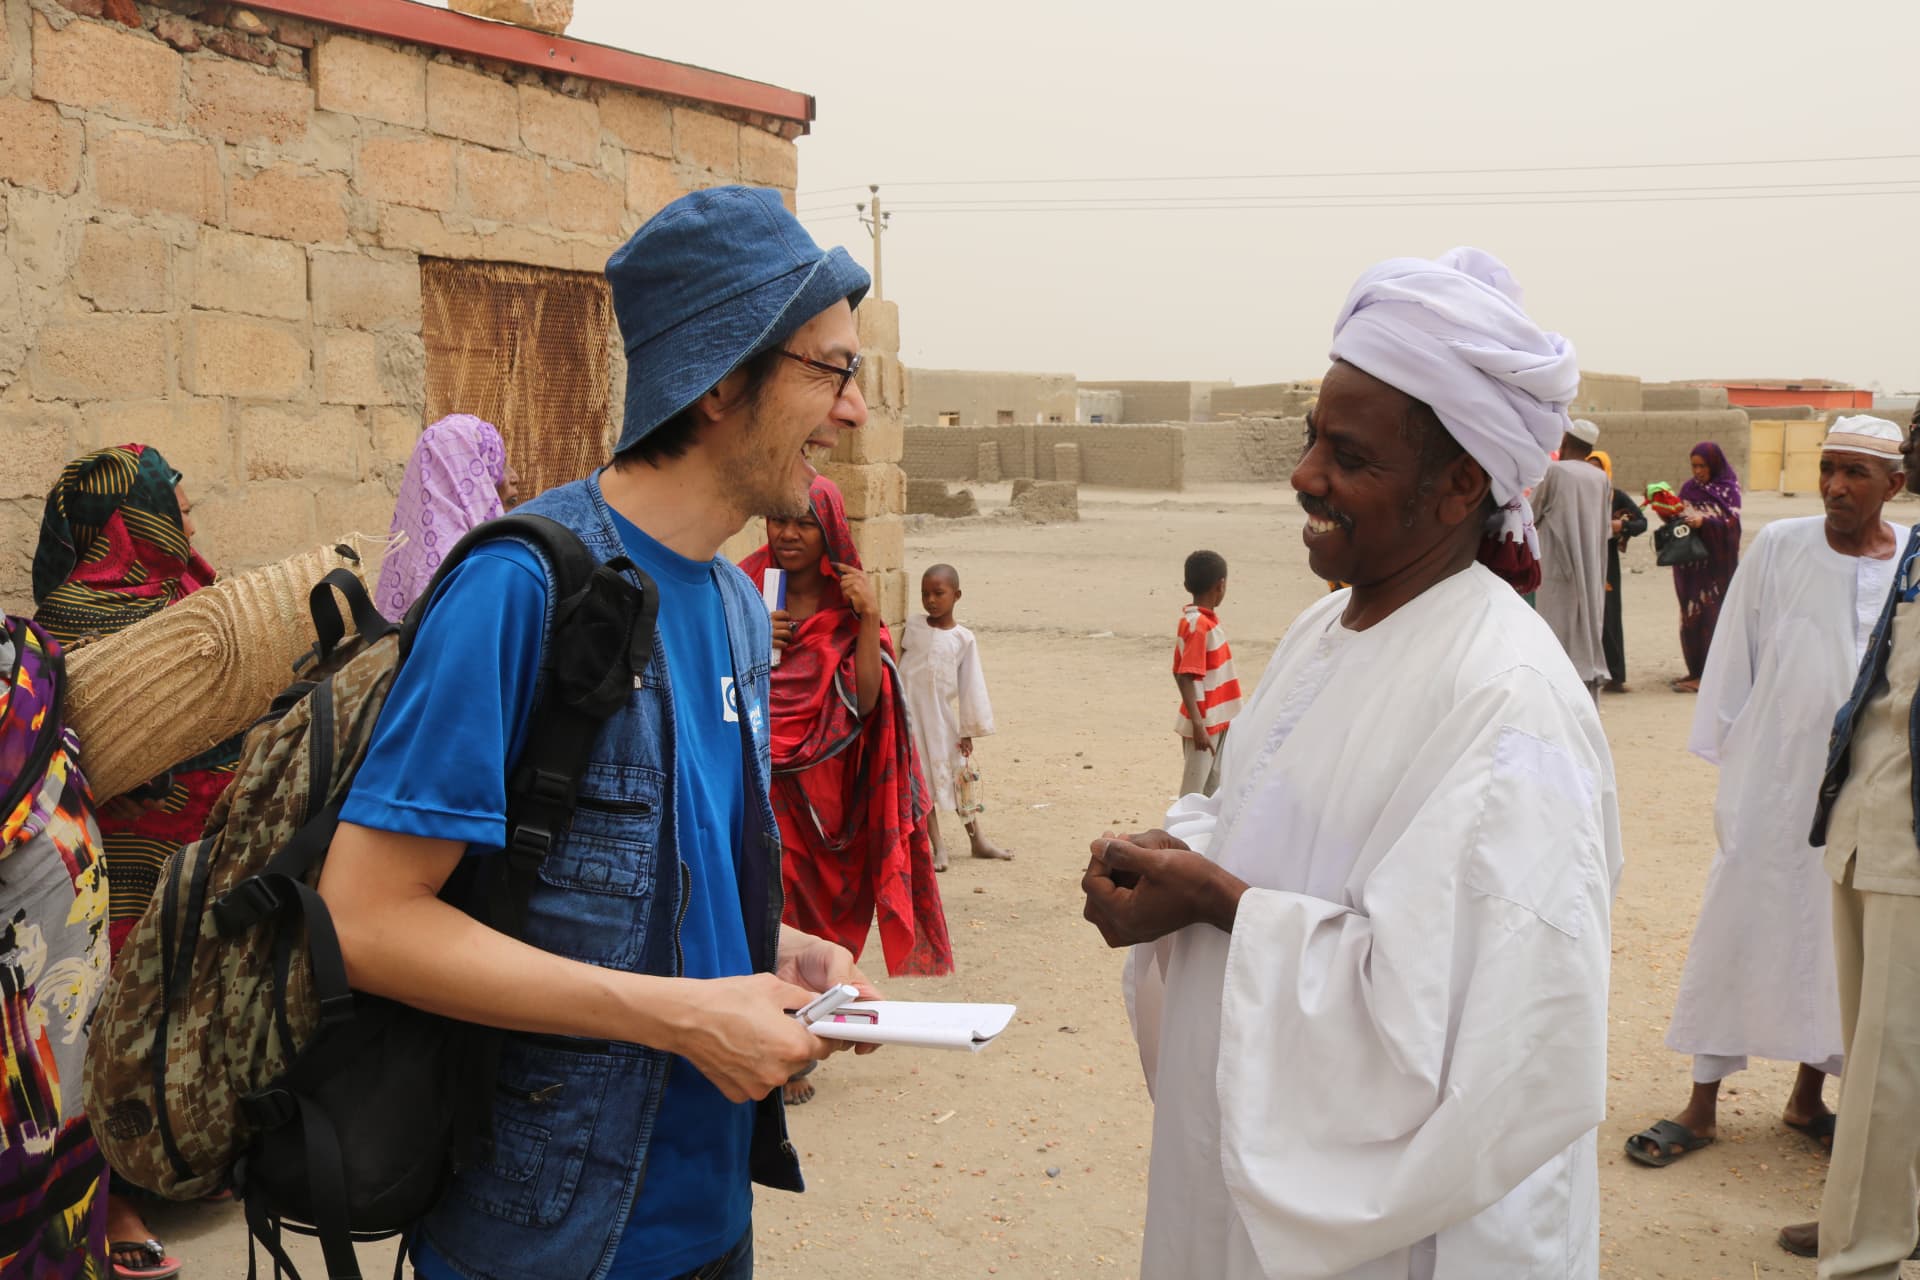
1451,333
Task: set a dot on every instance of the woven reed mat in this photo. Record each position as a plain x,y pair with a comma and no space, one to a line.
186,679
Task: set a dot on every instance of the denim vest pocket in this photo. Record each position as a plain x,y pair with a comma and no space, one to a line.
599,876
539,1141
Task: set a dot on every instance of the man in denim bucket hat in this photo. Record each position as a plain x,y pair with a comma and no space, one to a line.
649,1000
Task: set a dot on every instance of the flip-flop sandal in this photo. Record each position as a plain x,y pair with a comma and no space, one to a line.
158,1266
1820,1129
1664,1135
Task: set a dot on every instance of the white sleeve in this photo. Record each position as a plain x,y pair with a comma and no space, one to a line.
976,710
1389,1071
1727,681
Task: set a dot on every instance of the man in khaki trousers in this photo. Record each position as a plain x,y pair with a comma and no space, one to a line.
1869,820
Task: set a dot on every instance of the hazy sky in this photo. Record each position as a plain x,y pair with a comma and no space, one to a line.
913,93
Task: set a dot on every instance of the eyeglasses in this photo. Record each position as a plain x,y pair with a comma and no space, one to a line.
846,373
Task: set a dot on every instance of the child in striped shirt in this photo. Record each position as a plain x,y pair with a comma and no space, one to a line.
1203,668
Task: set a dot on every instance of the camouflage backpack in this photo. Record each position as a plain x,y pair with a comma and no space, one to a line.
229,1051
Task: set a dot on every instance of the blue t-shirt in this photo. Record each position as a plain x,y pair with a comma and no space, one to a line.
454,725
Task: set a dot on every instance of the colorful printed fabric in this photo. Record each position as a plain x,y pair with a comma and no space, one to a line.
848,793
1702,585
450,486
53,968
112,547
112,551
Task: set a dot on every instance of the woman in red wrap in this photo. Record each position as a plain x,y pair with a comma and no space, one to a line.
847,790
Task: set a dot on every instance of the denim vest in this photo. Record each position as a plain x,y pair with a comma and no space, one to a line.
572,1118
1873,670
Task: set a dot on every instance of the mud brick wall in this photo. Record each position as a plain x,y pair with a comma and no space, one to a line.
213,225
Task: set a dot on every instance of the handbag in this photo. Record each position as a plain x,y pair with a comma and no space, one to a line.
1674,545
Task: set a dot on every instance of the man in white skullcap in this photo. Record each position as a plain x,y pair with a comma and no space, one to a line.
1759,980
1865,818
1573,507
1369,976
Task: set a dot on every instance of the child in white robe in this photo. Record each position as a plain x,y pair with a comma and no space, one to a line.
948,708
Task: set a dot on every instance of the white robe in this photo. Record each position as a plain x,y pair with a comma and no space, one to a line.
1394,1067
1759,980
942,672
1573,507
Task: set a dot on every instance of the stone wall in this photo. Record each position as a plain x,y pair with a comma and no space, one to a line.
1167,455
1265,400
213,235
1676,396
1653,446
1263,450
980,398
1606,393
1149,402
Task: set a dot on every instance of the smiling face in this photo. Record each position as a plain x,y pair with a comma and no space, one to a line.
1374,503
796,543
768,459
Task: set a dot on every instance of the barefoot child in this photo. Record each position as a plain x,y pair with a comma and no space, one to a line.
1203,668
941,664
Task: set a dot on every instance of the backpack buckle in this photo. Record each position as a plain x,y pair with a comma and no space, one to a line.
245,905
528,844
546,787
336,1009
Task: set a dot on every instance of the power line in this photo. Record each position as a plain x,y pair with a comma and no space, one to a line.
1380,173
1175,201
1412,204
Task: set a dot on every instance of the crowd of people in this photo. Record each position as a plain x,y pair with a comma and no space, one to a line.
1369,950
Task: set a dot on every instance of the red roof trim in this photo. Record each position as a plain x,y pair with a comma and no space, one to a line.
443,29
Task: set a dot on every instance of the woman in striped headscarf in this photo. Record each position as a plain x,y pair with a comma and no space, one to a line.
115,547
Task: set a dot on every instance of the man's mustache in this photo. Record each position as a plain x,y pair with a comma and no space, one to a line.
1321,511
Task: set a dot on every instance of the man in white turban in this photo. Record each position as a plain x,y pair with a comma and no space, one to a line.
1573,505
1369,976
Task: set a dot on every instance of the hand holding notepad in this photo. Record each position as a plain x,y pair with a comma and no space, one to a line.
922,1023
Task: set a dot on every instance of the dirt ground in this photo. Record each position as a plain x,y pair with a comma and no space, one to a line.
1029,1160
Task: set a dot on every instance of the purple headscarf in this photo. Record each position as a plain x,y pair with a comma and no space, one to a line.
1722,487
449,487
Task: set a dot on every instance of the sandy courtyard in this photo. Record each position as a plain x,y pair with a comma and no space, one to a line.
1029,1160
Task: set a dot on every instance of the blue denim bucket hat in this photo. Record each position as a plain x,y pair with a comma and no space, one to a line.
714,278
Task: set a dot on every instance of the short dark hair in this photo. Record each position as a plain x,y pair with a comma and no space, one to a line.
1438,449
672,438
1205,571
946,571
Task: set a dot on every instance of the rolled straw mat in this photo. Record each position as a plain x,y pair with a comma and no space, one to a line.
186,679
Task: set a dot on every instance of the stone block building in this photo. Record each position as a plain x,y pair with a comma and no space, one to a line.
277,240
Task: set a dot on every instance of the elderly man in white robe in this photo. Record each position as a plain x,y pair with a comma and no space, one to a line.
1573,505
1370,973
1759,980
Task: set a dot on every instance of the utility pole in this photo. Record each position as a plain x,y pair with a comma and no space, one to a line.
876,223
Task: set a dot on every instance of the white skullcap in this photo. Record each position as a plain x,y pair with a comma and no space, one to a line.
1451,333
1585,432
1861,433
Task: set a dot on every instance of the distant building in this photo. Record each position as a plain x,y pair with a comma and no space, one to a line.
1162,401
978,398
1760,393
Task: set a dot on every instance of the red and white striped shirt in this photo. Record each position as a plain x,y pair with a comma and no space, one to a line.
1201,651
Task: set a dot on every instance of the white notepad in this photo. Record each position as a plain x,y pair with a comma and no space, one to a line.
926,1024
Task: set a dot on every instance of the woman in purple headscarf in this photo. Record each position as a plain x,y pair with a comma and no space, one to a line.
1712,501
458,477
